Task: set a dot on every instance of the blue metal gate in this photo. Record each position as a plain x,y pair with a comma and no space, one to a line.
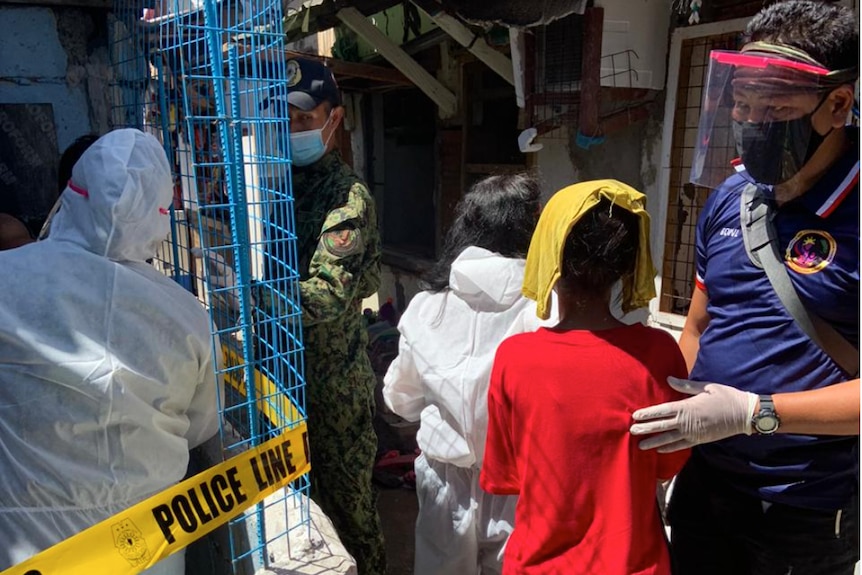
201,75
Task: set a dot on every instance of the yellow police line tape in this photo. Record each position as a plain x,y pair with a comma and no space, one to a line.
265,390
137,538
149,531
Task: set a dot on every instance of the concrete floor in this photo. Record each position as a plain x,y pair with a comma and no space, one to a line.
398,508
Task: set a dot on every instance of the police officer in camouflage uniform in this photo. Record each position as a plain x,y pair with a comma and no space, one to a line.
338,248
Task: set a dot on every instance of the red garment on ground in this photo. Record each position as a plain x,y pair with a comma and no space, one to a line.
560,407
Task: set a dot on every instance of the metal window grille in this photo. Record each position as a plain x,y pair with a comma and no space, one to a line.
558,74
209,80
563,47
559,48
685,200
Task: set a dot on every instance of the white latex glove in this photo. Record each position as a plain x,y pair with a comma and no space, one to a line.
222,276
716,411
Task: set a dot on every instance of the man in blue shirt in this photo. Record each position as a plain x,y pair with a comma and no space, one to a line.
774,487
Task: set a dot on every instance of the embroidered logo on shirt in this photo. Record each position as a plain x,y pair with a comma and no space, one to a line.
732,232
810,251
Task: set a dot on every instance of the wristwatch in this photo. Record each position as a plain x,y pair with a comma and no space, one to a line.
766,420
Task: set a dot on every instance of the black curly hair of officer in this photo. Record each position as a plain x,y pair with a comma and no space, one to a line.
826,31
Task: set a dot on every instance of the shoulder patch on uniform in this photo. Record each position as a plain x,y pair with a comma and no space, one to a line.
294,73
343,242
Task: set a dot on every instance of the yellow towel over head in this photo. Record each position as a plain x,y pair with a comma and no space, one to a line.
562,212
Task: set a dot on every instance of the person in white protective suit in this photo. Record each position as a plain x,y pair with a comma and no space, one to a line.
449,336
107,372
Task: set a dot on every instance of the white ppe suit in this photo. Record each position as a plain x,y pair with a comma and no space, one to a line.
106,366
440,377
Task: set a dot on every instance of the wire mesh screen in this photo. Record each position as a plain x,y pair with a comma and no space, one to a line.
559,47
559,73
685,200
209,80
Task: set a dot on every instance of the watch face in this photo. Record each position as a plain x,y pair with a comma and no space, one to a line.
766,424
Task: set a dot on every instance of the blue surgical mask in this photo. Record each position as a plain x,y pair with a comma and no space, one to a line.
308,147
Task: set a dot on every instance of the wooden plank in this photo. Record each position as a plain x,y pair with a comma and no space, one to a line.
343,68
619,120
450,152
591,81
526,119
445,100
518,48
556,99
323,16
476,45
494,168
614,94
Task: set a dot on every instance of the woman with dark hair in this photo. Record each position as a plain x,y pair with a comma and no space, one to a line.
499,214
70,157
449,334
561,398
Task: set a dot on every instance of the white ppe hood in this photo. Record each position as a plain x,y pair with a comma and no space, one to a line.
106,366
446,351
118,187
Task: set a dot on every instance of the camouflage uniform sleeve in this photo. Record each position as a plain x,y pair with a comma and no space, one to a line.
346,262
369,283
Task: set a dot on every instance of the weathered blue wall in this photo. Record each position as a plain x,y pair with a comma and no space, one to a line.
57,56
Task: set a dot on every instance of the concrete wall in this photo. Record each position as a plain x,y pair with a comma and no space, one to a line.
554,164
57,56
631,156
629,41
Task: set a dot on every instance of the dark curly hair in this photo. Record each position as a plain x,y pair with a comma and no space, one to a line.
70,157
600,249
499,213
828,32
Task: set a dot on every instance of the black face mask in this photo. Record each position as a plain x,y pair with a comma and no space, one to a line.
773,152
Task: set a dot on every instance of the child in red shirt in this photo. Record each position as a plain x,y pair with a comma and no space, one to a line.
561,399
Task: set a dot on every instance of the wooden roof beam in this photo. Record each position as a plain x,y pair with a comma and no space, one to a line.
430,86
343,68
323,16
475,44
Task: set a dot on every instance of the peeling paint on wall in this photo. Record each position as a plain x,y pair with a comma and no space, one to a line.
57,56
83,35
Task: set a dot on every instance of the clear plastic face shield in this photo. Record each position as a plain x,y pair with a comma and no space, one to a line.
757,107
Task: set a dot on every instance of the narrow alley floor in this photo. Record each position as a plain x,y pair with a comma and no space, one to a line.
398,508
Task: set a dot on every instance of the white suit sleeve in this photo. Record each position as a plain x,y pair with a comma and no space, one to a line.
203,408
402,385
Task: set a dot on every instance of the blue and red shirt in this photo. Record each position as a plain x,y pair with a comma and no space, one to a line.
753,343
